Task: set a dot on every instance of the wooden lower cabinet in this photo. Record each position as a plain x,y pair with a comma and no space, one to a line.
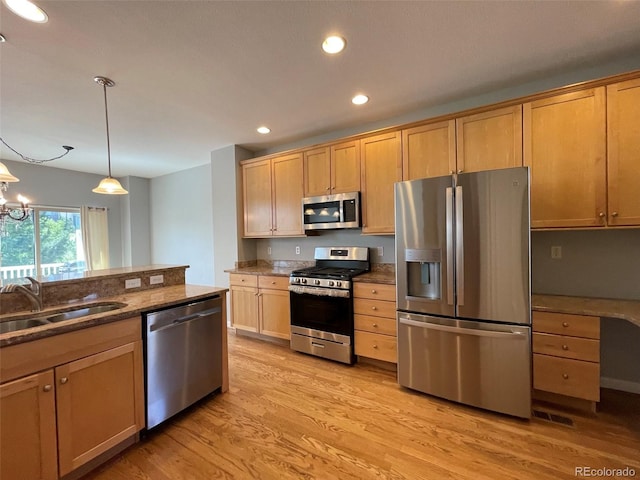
100,403
28,448
58,419
374,306
566,357
260,304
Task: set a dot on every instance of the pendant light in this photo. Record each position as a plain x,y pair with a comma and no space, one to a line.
108,185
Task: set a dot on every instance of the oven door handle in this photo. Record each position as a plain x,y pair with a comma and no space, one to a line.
319,292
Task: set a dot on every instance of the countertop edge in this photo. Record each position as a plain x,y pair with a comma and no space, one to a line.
628,310
137,303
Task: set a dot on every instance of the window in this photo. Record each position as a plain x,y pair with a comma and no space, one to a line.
46,243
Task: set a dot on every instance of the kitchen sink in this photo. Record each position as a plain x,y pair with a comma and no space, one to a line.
15,325
82,311
38,320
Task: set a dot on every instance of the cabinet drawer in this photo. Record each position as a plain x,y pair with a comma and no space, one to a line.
367,323
567,347
565,376
566,324
378,308
273,282
243,280
373,345
379,291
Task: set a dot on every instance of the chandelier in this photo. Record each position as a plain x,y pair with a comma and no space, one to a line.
14,213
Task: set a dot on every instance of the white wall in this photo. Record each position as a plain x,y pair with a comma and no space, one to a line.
181,222
56,187
136,221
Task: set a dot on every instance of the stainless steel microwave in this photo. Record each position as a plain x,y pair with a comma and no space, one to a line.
327,212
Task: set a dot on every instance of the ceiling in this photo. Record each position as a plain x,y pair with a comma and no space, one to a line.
196,76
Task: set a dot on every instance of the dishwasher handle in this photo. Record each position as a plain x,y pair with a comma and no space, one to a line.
159,326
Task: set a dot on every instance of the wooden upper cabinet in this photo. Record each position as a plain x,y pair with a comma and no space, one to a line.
256,190
332,169
381,165
565,148
345,167
287,195
623,141
429,150
489,140
317,172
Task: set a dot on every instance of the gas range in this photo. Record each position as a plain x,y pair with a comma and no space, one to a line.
325,277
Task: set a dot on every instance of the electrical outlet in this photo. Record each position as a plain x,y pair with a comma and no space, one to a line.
556,252
132,283
156,279
297,250
268,250
380,251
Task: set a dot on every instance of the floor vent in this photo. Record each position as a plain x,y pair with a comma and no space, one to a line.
552,417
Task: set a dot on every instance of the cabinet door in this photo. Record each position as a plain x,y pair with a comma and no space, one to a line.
345,167
28,428
317,172
565,148
287,195
623,140
244,308
429,150
256,189
381,168
490,140
100,402
275,313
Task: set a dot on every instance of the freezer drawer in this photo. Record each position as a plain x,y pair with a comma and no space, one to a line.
475,363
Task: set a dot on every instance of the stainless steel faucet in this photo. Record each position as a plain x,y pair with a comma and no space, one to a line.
33,293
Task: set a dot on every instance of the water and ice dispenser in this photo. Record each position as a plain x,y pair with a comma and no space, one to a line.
423,273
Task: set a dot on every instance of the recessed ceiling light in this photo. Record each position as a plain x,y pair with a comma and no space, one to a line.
360,99
333,44
264,130
27,10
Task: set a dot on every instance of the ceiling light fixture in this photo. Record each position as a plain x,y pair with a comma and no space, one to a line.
264,130
359,99
36,160
333,44
108,185
14,213
27,10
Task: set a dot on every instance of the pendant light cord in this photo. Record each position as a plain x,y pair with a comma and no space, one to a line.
106,116
36,160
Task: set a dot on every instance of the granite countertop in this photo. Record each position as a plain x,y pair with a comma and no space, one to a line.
598,307
136,303
377,276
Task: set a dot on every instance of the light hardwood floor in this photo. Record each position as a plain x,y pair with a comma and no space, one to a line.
292,416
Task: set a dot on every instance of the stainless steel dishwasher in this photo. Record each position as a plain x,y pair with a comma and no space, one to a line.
183,357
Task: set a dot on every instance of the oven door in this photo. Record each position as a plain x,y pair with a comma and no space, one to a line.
324,313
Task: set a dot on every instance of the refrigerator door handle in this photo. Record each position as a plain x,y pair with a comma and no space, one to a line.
463,331
459,246
449,221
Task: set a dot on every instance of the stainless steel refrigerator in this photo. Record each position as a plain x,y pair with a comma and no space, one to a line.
464,289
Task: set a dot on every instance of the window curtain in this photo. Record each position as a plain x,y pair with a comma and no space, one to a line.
95,237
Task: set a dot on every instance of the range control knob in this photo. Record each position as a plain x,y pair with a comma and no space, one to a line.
317,282
331,283
338,284
304,280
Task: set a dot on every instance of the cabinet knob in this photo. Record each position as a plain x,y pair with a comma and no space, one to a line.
374,308
242,280
565,376
64,380
375,325
460,171
273,283
374,291
614,214
46,388
375,346
565,347
601,214
451,172
565,324
328,189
